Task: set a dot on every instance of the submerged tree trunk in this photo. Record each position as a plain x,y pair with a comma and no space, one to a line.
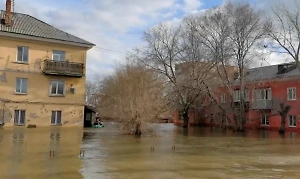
283,113
185,116
282,126
137,130
242,123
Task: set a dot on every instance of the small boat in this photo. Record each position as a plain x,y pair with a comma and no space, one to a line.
98,126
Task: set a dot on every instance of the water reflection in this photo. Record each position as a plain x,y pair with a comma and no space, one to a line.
25,153
199,153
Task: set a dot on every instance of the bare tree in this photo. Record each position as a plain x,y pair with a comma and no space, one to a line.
92,92
133,96
247,29
229,34
176,53
213,33
285,30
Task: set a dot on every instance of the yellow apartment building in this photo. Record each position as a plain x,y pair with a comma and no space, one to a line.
42,73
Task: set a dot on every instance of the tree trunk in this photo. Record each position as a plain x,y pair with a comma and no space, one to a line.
185,116
241,127
283,113
283,121
137,131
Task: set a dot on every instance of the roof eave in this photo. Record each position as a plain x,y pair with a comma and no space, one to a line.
29,37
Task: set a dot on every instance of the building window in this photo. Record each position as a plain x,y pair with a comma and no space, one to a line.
265,120
19,119
58,55
57,87
21,85
22,55
236,95
291,93
56,118
292,121
263,94
223,98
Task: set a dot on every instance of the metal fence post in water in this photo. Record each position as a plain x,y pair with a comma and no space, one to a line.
52,154
173,148
152,148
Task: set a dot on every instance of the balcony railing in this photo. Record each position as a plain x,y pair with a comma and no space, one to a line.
262,104
63,68
237,105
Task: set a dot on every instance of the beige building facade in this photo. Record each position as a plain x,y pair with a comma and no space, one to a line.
42,73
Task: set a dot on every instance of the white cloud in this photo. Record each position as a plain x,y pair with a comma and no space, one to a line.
191,6
111,24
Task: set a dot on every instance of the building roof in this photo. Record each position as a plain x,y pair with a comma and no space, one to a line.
270,72
24,24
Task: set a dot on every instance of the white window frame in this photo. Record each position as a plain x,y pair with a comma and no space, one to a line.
22,80
17,119
223,98
262,94
57,94
294,94
56,117
61,59
264,119
236,95
294,124
22,58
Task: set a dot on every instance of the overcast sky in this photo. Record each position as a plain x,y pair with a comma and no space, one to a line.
115,26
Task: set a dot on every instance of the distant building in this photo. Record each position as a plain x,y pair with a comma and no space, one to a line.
42,72
215,73
266,87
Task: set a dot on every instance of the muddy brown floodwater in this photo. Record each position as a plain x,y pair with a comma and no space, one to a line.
199,153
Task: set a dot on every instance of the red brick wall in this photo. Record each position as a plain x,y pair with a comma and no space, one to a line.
279,94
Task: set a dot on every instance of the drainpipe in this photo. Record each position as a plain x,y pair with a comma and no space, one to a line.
2,121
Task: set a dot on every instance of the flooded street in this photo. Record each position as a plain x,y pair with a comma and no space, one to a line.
199,153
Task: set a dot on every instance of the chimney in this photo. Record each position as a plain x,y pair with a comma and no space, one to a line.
8,13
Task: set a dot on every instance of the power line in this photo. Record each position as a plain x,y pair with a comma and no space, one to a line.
110,50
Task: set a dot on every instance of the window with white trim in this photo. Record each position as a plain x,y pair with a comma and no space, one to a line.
291,94
262,94
265,120
56,118
57,88
21,85
236,95
19,118
292,121
223,98
22,54
58,55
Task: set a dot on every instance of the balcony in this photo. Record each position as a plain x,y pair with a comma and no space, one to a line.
63,68
237,105
262,104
